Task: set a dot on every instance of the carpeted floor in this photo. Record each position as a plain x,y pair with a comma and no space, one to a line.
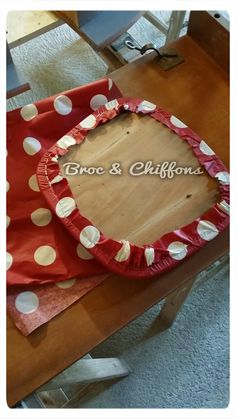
60,60
186,366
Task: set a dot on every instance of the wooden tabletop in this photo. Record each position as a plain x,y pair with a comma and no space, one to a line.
197,92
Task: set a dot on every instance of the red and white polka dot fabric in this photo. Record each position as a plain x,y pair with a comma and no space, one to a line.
32,306
39,248
123,257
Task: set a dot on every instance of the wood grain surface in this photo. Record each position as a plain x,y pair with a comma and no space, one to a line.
138,208
197,92
211,31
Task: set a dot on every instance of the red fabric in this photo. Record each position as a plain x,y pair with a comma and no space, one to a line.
167,251
31,131
30,307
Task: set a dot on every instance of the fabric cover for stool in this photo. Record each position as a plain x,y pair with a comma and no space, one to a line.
124,257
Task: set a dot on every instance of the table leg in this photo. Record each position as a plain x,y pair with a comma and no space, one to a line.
173,304
176,299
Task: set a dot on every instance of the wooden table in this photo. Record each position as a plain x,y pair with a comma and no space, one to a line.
196,91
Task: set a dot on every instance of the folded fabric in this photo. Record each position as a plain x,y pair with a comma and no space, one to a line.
39,248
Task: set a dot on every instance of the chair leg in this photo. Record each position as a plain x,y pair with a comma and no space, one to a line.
175,25
88,371
155,21
59,391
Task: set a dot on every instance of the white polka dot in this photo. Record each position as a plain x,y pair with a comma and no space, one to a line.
8,221
65,207
97,101
223,177
207,230
112,104
149,253
31,146
177,123
89,236
177,250
45,255
124,252
88,122
205,149
224,206
146,106
9,260
83,253
56,179
66,141
27,302
55,158
8,186
41,217
110,84
29,112
126,106
33,183
62,105
66,284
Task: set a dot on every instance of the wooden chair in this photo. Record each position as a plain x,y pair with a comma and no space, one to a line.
100,28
